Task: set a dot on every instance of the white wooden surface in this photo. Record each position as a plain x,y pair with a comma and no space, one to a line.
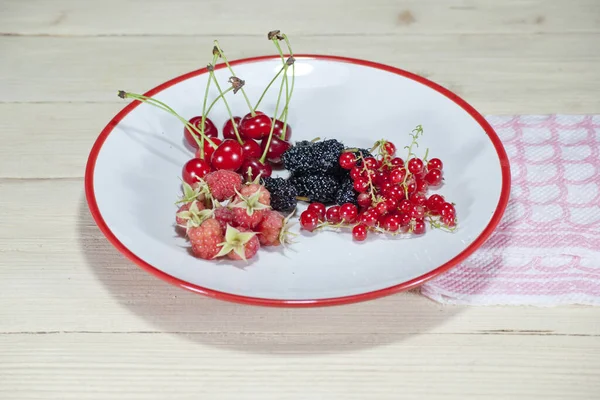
78,321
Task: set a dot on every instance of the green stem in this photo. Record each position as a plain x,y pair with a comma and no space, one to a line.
221,93
284,113
159,104
233,73
267,88
204,113
217,99
264,155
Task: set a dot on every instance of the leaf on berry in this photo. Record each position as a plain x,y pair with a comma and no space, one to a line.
235,241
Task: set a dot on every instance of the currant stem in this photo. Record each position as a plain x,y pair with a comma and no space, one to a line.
216,43
418,131
264,155
267,88
221,95
159,104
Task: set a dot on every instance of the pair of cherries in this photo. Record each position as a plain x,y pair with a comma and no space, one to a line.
249,157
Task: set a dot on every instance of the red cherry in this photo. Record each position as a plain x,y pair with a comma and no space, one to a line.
208,149
318,208
255,167
251,148
434,177
210,130
228,131
435,163
278,130
276,148
434,202
229,155
419,227
348,212
255,127
359,233
333,214
309,220
361,185
194,169
389,148
348,160
364,200
391,223
415,165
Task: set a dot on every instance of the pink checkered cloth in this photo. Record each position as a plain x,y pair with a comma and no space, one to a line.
546,250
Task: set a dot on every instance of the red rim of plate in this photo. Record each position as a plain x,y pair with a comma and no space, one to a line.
502,203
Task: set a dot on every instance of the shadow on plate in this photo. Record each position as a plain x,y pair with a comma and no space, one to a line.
255,329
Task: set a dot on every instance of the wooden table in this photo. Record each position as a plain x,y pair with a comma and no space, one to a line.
78,321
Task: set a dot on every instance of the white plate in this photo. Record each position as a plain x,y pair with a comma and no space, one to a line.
132,182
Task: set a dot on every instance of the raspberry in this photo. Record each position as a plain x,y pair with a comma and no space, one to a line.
250,189
248,211
243,219
239,244
225,217
270,228
223,184
206,239
189,214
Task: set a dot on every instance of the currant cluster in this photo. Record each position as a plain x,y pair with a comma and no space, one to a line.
393,194
250,145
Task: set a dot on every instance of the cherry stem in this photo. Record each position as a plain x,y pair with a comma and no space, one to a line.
216,43
221,95
267,88
204,112
287,93
159,104
217,99
264,155
284,113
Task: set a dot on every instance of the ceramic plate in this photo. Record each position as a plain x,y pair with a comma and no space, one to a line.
132,181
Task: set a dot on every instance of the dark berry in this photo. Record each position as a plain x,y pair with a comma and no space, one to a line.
320,187
283,193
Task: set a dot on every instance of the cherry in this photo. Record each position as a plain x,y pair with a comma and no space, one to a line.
278,130
434,177
208,149
369,217
415,166
364,200
359,233
361,184
419,227
251,148
255,167
356,172
229,155
348,160
194,169
389,148
210,130
255,127
391,223
348,212
309,220
333,214
435,163
228,131
398,174
276,148
434,202
319,209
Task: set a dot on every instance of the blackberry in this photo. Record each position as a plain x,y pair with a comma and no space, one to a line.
313,158
283,193
319,187
346,192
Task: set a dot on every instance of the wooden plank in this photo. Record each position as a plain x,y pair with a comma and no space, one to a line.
251,366
59,274
297,17
498,74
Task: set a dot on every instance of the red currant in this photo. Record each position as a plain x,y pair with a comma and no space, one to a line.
208,149
381,208
309,220
422,186
397,162
434,177
411,187
359,233
415,165
447,209
356,172
417,212
252,167
418,199
348,160
194,169
435,163
369,217
371,163
434,202
348,212
449,220
391,223
210,130
404,220
228,131
255,127
398,174
394,192
389,148
364,200
391,203
319,209
419,227
229,155
361,185
405,206
381,177
333,214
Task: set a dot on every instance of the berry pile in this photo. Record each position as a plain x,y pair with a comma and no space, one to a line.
222,217
392,194
250,145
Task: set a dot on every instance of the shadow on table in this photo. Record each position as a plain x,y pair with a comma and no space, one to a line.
251,328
